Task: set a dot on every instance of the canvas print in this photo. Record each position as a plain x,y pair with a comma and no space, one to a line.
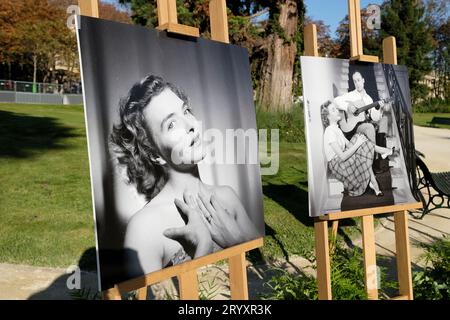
171,173
360,140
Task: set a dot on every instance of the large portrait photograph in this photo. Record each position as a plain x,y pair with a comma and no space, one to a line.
360,142
174,171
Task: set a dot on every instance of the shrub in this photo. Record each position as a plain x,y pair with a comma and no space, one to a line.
347,280
433,282
433,105
290,123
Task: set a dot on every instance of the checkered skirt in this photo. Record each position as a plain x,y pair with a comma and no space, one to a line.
354,172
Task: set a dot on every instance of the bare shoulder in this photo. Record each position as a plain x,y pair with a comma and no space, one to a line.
146,224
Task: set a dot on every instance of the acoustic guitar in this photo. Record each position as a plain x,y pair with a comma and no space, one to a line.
349,120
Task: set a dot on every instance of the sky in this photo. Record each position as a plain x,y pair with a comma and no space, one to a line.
332,11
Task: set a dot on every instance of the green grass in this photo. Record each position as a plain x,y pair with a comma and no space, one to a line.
45,203
422,119
288,226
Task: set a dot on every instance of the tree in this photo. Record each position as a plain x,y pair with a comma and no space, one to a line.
436,16
284,40
371,38
405,20
327,47
9,18
272,43
109,12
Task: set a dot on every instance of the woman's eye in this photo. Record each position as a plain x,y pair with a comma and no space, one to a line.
171,125
187,111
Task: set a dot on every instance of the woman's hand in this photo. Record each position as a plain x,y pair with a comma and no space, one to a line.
194,237
222,224
360,140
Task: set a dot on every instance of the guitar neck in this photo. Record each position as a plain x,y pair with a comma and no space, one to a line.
375,105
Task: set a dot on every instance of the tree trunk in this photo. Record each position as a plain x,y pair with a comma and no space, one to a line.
34,72
9,69
275,90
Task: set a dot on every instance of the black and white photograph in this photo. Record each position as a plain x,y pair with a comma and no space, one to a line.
360,142
150,100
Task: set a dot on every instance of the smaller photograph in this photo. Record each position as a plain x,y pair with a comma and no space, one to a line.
359,135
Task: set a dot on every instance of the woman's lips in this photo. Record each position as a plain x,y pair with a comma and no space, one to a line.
196,140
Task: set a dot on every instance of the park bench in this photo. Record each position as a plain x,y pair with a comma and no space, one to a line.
439,120
426,181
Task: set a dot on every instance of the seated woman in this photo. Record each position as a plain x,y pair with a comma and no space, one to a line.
349,161
159,141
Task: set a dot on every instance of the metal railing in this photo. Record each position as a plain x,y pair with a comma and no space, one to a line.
30,87
403,115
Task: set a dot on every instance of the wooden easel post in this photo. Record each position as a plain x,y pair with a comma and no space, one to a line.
88,8
356,45
187,272
219,20
367,215
320,226
168,19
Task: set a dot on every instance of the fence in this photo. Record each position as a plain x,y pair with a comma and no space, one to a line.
39,93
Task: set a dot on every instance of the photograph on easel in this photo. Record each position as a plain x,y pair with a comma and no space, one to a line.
360,140
172,146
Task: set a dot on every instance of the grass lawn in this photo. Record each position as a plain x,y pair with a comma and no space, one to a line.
422,119
45,203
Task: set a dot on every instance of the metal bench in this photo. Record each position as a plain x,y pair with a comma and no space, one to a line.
426,181
439,120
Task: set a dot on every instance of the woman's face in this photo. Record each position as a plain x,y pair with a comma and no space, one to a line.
175,130
333,113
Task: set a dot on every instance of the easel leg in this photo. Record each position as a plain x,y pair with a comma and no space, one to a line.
403,254
142,293
370,263
188,285
238,277
334,232
323,260
112,294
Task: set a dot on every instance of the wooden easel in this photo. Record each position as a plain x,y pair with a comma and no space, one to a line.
367,215
187,272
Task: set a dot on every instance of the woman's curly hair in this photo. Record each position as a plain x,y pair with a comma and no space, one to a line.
131,140
324,113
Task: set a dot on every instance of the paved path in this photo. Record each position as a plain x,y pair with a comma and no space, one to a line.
25,282
435,144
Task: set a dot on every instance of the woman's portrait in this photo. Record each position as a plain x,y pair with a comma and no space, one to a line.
156,107
184,217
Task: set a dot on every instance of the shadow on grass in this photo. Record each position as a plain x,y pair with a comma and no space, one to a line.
295,200
256,255
58,289
292,198
21,135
